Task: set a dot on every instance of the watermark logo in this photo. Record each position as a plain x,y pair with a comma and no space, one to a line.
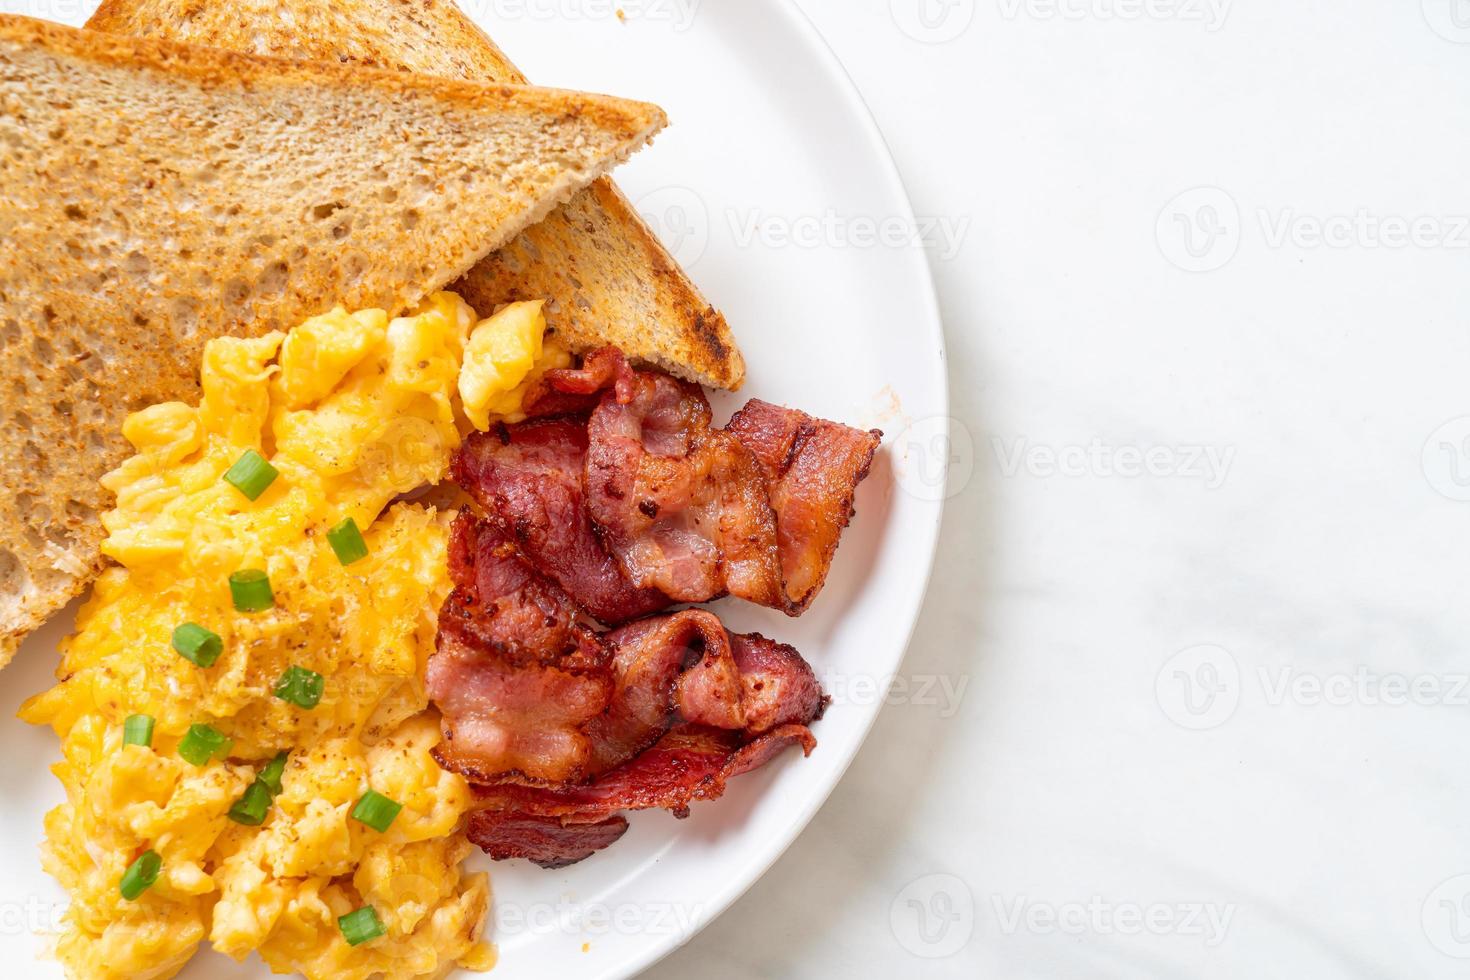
680,219
1363,228
1199,230
933,21
942,236
941,693
1207,921
32,916
407,449
1450,19
72,12
1208,464
1362,686
934,458
1446,459
933,917
565,917
1202,229
1446,917
1211,13
1199,688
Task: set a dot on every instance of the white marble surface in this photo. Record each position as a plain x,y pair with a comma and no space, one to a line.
1211,701
1187,697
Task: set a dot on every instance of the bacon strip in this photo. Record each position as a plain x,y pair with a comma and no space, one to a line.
646,504
528,478
557,827
547,841
533,699
576,391
682,506
515,675
812,468
625,503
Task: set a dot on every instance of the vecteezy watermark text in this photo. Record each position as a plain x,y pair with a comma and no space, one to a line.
1201,687
941,693
943,236
934,917
1202,229
682,220
1363,228
1096,916
566,917
1211,13
1208,464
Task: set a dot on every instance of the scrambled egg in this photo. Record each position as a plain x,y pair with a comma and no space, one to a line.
506,355
353,411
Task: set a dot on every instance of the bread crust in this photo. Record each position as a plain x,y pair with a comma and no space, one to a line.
156,195
606,277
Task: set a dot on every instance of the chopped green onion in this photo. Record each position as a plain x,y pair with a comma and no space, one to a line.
361,926
272,773
198,645
301,687
376,810
251,808
138,730
251,475
141,875
251,590
347,542
202,743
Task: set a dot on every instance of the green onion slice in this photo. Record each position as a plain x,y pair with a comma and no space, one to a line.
272,773
346,540
301,687
251,808
251,475
202,743
138,730
251,590
141,875
198,645
361,926
376,810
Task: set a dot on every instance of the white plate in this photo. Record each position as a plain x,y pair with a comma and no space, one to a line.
769,184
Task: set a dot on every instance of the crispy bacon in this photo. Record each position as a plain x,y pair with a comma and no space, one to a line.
528,478
516,676
646,504
576,391
812,468
557,827
506,834
682,506
754,510
689,763
533,699
623,502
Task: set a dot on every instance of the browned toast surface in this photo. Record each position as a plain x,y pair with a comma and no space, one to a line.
155,195
606,278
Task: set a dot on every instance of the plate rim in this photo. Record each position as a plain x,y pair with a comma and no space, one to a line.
927,328
933,324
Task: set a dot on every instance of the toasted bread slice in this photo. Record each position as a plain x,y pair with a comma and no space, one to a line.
605,276
155,195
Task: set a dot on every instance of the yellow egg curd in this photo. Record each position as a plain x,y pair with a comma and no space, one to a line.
346,413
